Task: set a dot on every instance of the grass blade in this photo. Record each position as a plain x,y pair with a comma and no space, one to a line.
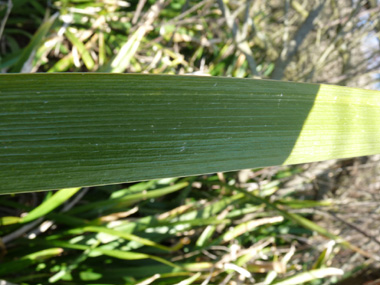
86,56
130,199
120,254
310,276
4,221
69,130
50,204
126,236
247,227
34,44
25,261
190,280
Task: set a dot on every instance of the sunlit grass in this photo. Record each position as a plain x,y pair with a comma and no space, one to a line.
208,237
211,229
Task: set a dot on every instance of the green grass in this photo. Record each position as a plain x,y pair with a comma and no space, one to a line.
75,130
188,234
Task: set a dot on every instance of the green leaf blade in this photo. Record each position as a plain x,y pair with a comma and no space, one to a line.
50,204
69,130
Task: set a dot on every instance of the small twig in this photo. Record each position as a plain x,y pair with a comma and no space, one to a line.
187,12
76,199
21,231
354,227
149,280
227,279
187,255
139,8
212,256
208,279
4,21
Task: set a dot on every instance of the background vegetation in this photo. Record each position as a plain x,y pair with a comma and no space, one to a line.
279,225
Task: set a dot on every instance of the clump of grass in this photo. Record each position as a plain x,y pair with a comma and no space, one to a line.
211,229
240,39
197,230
